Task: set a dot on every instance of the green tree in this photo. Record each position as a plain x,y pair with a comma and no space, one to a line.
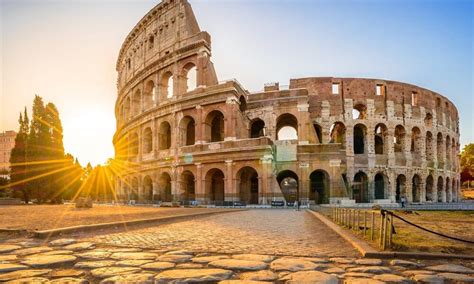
467,163
18,160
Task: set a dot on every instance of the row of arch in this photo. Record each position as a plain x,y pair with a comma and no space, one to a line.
153,93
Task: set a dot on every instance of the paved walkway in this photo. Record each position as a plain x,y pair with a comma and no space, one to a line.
276,232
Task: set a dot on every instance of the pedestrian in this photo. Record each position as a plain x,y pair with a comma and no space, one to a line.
403,200
296,206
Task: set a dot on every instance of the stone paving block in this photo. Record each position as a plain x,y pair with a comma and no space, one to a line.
454,268
62,242
159,265
391,278
142,278
94,264
133,255
176,258
292,264
35,280
8,248
48,260
106,272
238,264
23,274
9,267
32,250
80,246
254,257
262,275
456,277
193,275
310,277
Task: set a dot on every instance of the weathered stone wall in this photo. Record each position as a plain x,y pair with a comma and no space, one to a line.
217,142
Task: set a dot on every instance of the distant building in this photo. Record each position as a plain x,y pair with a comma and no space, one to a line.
7,142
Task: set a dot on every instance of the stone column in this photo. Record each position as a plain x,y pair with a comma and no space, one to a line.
199,124
230,119
228,188
370,142
200,191
303,123
390,147
156,190
407,149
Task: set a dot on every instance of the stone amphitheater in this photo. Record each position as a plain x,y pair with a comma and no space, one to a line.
184,136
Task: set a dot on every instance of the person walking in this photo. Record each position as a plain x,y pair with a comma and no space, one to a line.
403,201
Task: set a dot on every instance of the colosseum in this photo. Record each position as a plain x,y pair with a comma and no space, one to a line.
184,136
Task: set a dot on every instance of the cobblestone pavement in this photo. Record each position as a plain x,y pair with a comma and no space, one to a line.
278,232
279,246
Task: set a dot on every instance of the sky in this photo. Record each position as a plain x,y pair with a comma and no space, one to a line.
66,50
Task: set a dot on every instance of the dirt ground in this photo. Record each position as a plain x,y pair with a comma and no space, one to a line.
43,217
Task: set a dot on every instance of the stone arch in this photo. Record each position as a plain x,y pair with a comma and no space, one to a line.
247,179
126,110
439,148
429,147
399,139
215,126
289,185
134,189
380,139
448,189
318,130
137,102
164,136
416,146
448,149
188,184
380,186
440,189
187,129
164,186
429,189
167,85
190,75
416,188
147,140
242,104
319,189
360,187
454,195
147,194
401,187
287,127
133,140
257,128
428,120
215,186
149,95
360,138
338,133
359,111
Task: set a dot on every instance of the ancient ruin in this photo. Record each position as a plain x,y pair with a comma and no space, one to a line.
184,136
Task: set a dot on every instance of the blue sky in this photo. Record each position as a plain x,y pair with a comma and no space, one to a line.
66,52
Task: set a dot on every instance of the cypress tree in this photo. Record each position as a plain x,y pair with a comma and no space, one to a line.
18,160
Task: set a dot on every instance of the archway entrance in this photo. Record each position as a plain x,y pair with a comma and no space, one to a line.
400,188
147,189
360,188
188,187
165,187
429,188
248,185
440,189
319,188
215,186
288,181
416,188
379,186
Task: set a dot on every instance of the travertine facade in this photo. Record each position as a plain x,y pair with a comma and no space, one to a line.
7,143
184,136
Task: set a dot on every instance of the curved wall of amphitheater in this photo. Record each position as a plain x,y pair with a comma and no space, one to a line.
184,136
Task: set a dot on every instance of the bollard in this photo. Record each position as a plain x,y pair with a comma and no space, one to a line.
358,219
390,231
372,229
354,219
381,233
385,232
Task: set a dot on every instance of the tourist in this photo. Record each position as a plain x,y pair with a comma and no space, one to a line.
403,201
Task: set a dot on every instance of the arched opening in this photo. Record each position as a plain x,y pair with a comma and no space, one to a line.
429,189
441,193
167,83
454,191
257,128
147,140
401,189
360,188
188,184
126,109
360,132
319,187
319,133
381,134
242,104
248,185
415,147
287,127
448,149
359,112
338,134
133,140
399,139
164,136
165,187
134,193
215,126
428,120
191,77
416,188
449,194
379,186
147,188
187,128
439,148
429,147
288,181
149,96
137,102
215,186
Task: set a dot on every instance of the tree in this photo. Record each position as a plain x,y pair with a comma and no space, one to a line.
467,163
18,159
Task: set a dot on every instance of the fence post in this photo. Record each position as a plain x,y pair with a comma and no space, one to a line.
382,221
365,222
390,231
354,220
372,229
358,219
385,232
